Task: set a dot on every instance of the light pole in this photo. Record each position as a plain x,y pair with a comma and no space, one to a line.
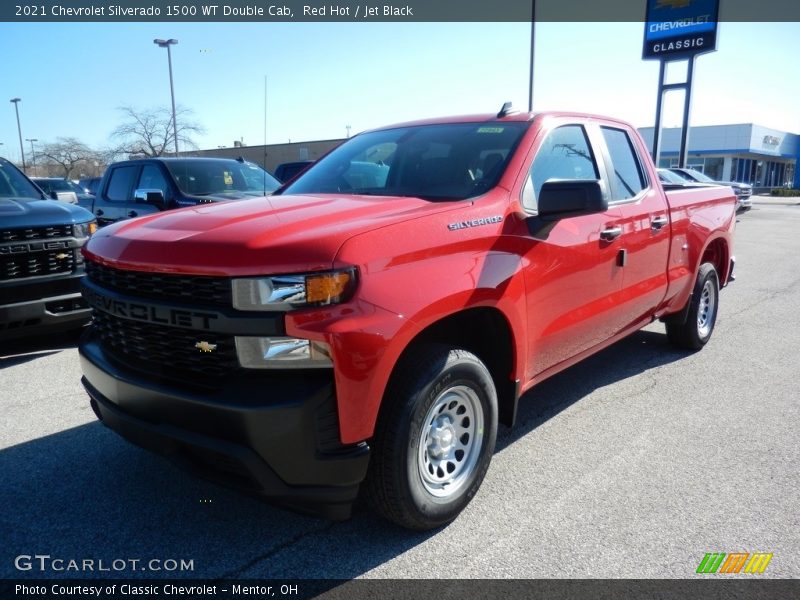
166,44
33,154
16,102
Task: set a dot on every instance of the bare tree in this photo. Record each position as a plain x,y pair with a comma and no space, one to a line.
64,156
149,132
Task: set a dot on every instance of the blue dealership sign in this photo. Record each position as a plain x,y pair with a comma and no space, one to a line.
676,29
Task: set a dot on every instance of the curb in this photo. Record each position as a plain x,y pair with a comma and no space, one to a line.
770,201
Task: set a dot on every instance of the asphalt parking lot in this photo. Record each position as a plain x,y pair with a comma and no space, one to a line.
633,464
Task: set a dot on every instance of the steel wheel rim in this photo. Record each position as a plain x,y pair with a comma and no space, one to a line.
708,306
450,441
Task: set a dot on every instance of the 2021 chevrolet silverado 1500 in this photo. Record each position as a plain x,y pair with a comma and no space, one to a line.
40,259
375,321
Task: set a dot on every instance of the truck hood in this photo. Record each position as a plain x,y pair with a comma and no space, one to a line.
28,212
269,235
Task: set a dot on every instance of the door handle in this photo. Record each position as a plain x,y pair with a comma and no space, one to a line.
657,223
132,214
98,212
609,234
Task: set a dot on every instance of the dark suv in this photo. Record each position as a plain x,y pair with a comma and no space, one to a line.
133,188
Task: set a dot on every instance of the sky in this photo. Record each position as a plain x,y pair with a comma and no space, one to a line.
322,77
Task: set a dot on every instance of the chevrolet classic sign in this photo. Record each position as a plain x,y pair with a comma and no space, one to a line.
676,29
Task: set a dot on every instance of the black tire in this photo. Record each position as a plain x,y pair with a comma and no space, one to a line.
694,332
428,460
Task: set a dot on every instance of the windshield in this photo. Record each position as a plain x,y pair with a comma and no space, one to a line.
450,161
14,184
53,185
75,187
670,177
204,177
698,176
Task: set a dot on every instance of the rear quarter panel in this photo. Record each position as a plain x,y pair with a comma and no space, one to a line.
699,217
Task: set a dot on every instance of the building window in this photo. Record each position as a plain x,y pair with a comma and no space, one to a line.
713,168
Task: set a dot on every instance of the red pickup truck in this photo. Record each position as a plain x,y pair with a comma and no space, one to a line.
371,324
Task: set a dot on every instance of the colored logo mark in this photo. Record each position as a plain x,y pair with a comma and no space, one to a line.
719,562
673,3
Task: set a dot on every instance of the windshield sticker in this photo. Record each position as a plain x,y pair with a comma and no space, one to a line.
228,178
490,129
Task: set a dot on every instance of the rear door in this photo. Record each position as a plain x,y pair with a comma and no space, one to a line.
644,242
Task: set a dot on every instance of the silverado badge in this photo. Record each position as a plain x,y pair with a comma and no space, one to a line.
204,346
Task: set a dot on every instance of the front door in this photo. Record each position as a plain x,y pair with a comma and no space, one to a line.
572,275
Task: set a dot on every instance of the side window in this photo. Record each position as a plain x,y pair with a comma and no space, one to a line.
119,184
152,179
626,175
565,154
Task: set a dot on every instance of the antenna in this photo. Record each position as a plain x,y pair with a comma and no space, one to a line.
264,176
505,111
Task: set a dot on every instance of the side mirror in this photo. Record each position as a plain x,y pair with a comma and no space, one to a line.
150,196
564,198
53,196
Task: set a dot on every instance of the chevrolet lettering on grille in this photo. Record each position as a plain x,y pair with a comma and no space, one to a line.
148,312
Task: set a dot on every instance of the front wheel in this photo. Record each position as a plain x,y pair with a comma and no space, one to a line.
696,330
435,439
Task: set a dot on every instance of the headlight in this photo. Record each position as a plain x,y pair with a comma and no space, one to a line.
282,353
85,229
286,292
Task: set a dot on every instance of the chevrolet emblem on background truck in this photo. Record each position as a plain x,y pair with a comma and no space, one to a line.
204,346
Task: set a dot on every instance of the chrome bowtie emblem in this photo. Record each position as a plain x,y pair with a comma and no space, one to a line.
205,346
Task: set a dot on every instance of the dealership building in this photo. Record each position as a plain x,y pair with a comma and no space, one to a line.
749,153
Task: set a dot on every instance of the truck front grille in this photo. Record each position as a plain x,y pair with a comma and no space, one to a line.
188,289
36,263
35,233
167,352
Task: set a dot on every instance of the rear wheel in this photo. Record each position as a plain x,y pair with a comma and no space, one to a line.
434,442
696,330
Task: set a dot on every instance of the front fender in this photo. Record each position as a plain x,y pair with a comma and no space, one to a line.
395,303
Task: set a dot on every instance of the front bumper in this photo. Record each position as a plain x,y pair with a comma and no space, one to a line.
38,305
275,435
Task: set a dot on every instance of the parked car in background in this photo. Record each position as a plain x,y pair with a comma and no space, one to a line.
90,184
40,258
289,170
133,188
62,188
673,181
743,191
57,188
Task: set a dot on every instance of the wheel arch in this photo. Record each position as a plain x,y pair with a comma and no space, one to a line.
486,332
717,252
